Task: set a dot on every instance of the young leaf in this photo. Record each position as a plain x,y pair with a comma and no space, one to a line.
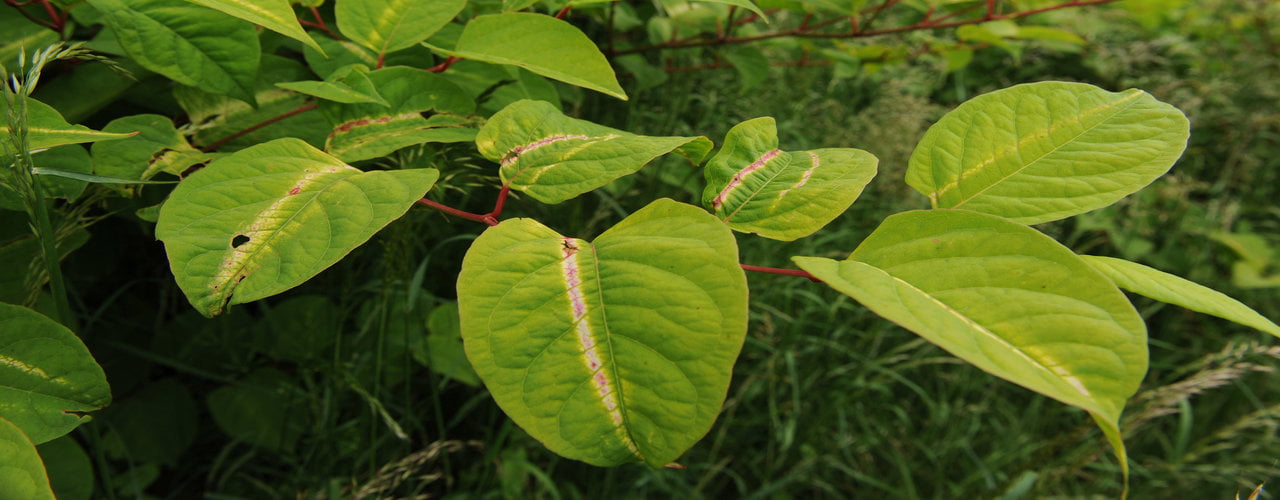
1045,151
364,131
390,25
541,44
190,44
275,15
755,187
1166,287
22,474
1006,298
612,351
267,218
46,128
48,379
554,158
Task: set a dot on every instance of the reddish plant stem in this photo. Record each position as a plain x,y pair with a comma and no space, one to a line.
490,218
787,272
298,110
53,24
320,24
484,218
564,12
439,68
859,31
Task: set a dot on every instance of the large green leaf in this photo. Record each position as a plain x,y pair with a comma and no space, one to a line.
755,187
70,472
554,158
21,35
1007,299
1044,151
541,44
1166,287
190,44
46,128
48,379
269,217
363,131
613,351
390,25
261,409
275,15
22,474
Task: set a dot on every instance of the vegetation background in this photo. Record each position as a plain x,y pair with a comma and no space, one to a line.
324,392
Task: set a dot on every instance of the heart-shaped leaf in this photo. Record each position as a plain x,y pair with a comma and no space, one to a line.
1165,287
1007,299
1045,151
267,218
541,44
554,158
755,187
611,351
48,379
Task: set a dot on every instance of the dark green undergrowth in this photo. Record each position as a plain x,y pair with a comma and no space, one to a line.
826,401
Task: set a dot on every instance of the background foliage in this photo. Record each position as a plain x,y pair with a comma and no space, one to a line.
332,390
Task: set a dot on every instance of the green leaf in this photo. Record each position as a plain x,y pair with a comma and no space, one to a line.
755,187
444,351
746,4
267,218
541,44
613,351
1007,299
70,473
261,409
275,15
332,91
1044,151
365,131
190,44
1166,287
751,64
554,158
22,474
22,281
141,156
156,424
390,25
46,128
48,379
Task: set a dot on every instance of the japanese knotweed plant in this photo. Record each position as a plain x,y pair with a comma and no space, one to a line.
618,349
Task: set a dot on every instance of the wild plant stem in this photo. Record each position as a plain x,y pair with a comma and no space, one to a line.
786,272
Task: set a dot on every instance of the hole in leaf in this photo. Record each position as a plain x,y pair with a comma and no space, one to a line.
238,240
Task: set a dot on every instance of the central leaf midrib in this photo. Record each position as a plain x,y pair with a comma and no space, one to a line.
253,255
612,363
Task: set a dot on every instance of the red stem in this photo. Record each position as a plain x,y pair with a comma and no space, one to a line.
298,110
439,68
490,218
564,12
319,24
487,219
18,5
774,270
